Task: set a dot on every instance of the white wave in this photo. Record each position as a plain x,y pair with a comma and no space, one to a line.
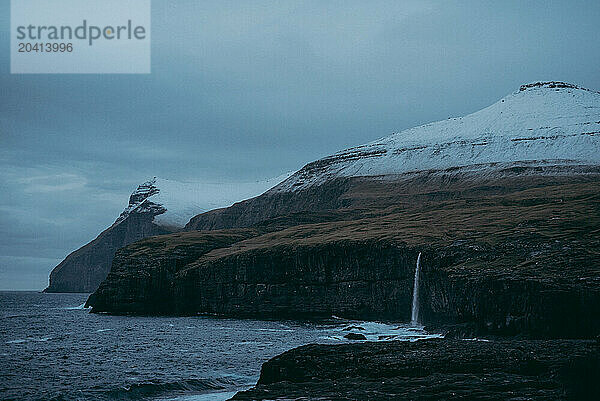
376,331
277,330
29,339
218,396
336,338
16,341
80,307
253,343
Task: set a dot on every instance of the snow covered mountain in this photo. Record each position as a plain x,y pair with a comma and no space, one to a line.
544,128
545,123
156,207
173,203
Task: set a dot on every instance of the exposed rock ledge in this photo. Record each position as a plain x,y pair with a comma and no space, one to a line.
434,369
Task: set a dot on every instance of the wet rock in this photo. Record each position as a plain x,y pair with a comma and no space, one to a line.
434,369
355,336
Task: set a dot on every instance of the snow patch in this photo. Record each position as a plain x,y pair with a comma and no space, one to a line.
173,203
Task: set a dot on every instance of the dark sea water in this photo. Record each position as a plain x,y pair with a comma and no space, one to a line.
53,349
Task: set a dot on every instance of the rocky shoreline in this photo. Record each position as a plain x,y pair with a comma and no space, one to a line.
434,369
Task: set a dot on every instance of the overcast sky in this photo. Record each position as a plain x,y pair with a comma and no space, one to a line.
242,90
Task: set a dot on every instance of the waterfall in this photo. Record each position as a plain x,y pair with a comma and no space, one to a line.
414,320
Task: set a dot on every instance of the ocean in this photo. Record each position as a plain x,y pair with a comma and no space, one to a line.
53,349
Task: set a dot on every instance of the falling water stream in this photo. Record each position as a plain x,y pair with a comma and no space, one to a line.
414,320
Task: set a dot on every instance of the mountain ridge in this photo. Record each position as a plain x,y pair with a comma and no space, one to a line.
504,132
472,147
157,206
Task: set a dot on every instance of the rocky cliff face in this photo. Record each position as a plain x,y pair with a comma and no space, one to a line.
84,269
144,272
347,278
315,283
527,287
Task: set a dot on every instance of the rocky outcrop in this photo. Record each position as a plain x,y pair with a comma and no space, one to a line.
144,272
84,269
437,369
156,207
